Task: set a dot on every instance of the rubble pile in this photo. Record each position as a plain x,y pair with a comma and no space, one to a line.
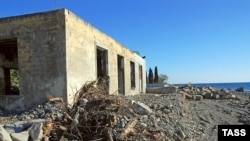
199,93
196,93
95,115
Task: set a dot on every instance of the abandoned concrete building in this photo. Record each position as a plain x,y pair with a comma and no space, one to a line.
56,52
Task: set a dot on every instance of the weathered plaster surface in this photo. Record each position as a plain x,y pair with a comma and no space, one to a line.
57,55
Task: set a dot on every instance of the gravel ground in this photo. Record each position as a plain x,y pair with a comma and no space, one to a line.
173,118
195,120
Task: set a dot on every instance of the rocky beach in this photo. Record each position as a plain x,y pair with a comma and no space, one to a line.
171,113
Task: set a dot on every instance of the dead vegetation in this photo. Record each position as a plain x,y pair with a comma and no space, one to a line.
96,116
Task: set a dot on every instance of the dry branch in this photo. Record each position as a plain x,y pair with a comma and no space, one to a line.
94,115
129,129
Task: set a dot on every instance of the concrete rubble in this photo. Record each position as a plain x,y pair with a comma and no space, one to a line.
199,93
196,93
94,116
4,135
141,108
98,116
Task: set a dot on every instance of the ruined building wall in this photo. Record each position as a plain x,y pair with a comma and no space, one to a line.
141,74
57,52
8,59
41,57
82,43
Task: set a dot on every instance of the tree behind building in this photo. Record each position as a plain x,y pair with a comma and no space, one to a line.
150,76
156,78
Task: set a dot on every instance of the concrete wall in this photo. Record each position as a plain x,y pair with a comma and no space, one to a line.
155,85
41,57
80,54
57,55
82,40
140,61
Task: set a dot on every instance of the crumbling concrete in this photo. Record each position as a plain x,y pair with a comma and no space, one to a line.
97,116
4,135
141,108
194,93
198,93
55,51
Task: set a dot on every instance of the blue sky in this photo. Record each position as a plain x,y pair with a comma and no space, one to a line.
188,40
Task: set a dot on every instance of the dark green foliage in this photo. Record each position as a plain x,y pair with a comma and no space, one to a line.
14,82
14,77
156,75
150,76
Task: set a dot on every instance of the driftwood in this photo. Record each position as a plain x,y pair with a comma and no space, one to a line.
94,116
51,99
47,128
129,129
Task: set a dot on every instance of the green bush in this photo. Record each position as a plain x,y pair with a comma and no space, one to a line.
14,77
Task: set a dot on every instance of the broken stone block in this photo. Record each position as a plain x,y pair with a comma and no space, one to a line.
22,136
216,96
223,92
232,96
186,90
36,131
207,95
141,108
210,88
199,97
4,135
21,126
215,92
186,95
10,128
197,90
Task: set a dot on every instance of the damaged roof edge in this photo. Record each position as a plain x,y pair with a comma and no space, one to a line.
95,28
7,19
63,11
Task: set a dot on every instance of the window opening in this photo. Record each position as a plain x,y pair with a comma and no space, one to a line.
140,78
9,74
120,69
132,74
102,62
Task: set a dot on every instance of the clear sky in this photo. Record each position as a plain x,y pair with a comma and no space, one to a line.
188,40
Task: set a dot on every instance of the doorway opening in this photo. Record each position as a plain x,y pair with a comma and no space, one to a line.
132,74
120,70
140,79
102,62
9,74
102,68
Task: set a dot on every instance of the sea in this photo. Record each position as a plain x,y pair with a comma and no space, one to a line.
231,86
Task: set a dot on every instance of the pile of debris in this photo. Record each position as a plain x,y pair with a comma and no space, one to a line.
199,93
95,115
196,93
